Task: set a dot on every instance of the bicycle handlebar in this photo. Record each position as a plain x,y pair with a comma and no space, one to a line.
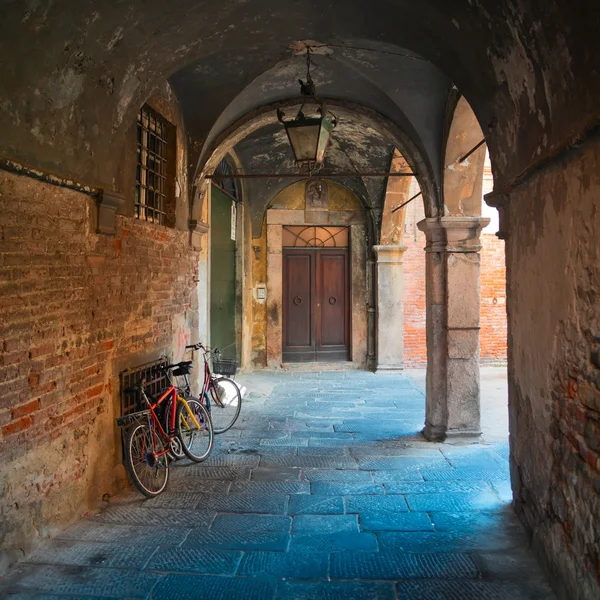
200,346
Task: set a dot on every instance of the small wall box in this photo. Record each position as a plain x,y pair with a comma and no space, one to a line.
261,293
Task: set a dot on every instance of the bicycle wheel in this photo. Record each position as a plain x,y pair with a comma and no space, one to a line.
225,403
148,473
195,442
176,446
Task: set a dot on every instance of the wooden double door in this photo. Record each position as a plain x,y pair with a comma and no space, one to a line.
316,305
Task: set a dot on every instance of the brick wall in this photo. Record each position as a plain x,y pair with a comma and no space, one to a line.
76,308
493,293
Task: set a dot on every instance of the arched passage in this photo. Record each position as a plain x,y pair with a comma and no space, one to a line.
70,96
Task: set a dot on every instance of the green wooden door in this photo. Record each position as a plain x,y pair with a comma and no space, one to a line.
222,274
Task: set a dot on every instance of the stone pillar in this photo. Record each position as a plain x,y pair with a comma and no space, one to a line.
390,306
453,309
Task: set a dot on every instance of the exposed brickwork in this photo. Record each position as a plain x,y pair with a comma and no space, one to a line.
76,308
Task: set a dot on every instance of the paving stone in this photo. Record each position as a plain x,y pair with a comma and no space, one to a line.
395,476
315,505
270,487
195,560
193,587
246,503
275,473
334,542
329,435
108,532
84,581
331,443
358,504
389,521
266,433
174,500
397,565
490,475
237,540
453,502
335,590
401,463
323,451
475,521
394,451
336,475
293,565
503,490
93,554
435,487
279,524
201,472
231,460
196,485
462,590
314,462
335,488
449,541
284,442
173,517
324,523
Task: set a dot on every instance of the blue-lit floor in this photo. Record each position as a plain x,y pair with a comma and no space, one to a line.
324,490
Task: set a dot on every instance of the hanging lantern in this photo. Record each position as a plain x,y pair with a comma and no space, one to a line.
309,136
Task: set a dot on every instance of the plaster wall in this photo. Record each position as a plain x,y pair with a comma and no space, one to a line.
553,258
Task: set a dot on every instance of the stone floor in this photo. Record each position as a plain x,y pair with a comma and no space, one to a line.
324,490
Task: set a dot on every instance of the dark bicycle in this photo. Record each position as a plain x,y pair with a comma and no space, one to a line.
220,394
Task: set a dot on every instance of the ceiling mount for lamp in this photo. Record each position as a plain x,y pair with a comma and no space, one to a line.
309,136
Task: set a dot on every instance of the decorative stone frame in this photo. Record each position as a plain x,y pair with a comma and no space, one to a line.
276,219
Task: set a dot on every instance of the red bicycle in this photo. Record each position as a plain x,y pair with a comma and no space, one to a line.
170,426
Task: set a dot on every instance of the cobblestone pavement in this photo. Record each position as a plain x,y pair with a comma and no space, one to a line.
324,490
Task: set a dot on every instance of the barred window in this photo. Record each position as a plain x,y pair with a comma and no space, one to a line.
155,141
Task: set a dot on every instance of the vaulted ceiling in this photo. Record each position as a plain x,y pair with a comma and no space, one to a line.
73,73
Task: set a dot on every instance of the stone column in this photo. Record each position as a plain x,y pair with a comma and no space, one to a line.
453,309
390,306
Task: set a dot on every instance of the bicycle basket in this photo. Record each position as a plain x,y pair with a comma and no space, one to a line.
225,366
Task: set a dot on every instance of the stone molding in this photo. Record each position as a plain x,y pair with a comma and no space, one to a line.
108,203
501,203
393,253
453,234
198,229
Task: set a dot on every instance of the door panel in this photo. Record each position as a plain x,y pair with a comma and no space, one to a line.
332,305
222,274
315,305
298,300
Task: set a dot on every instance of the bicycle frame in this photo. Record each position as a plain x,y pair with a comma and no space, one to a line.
171,393
175,397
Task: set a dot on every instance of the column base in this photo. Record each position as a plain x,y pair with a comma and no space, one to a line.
437,433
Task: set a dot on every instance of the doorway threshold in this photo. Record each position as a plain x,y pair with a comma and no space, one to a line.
323,366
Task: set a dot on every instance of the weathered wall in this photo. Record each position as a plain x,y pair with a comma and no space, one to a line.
287,208
76,308
554,386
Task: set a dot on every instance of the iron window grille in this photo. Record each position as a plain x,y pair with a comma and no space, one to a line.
303,236
154,172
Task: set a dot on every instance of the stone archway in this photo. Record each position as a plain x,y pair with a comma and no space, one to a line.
289,208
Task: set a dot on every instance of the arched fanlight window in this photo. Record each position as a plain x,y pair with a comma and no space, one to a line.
227,184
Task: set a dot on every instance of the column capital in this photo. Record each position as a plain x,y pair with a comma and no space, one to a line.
500,202
453,234
390,253
108,203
